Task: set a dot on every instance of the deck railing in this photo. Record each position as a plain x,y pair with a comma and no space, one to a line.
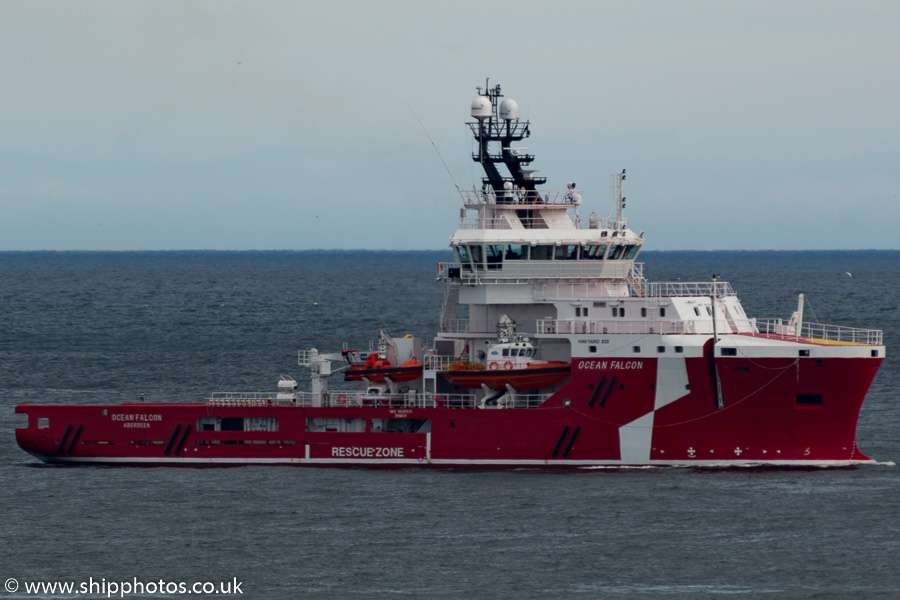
357,398
820,331
679,289
530,198
612,326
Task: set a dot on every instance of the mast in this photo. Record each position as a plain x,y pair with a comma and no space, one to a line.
498,123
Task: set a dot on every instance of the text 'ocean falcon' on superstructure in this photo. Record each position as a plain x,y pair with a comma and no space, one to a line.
554,352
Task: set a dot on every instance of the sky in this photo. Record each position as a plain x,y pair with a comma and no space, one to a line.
224,125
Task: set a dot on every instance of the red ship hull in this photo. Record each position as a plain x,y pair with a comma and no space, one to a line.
775,411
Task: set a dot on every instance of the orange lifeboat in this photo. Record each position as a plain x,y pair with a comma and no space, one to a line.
377,369
534,376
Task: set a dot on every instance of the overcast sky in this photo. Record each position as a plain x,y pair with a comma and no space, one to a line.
293,125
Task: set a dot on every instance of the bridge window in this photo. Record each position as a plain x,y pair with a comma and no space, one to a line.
615,252
542,253
516,252
477,253
566,252
494,255
592,252
462,253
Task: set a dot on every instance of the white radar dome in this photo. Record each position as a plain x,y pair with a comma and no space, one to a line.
509,109
481,108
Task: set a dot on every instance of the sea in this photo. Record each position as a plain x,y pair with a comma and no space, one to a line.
107,327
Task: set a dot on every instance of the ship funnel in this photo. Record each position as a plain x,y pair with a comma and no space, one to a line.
481,108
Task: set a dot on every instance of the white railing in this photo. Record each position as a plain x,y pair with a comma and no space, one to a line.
670,289
437,362
550,198
484,223
480,326
536,269
612,326
821,331
356,398
550,292
513,271
470,401
249,399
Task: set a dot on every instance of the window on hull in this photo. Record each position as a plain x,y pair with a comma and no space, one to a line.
401,425
809,399
319,424
237,424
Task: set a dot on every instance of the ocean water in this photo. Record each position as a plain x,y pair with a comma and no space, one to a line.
110,327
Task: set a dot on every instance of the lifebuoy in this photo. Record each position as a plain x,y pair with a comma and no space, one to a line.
493,365
341,399
507,366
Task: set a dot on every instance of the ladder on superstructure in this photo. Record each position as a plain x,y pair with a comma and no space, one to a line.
448,308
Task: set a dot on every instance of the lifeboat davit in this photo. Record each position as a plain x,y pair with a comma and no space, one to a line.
497,375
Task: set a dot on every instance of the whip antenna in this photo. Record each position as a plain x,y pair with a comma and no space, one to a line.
434,146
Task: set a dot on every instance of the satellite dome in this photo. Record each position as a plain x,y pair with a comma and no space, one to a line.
481,108
509,109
